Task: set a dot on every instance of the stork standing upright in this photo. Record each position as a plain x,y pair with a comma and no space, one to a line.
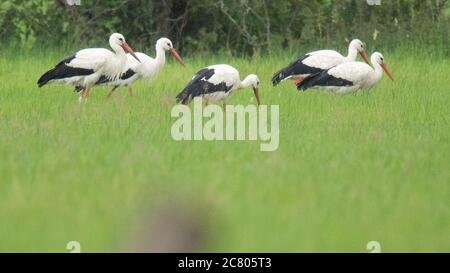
317,61
349,77
148,68
85,67
216,83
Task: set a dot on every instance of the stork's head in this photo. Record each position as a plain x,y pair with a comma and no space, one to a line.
253,80
359,46
166,45
117,41
378,58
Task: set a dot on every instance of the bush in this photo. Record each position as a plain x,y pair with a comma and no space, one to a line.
234,27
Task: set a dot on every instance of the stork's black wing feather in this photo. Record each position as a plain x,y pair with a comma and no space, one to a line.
296,67
323,79
62,70
200,85
124,76
103,79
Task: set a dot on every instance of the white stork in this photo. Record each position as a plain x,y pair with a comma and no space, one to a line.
216,83
148,68
317,61
349,77
85,67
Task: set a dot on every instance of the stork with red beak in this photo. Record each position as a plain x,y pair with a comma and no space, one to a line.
318,61
216,83
147,68
349,77
85,67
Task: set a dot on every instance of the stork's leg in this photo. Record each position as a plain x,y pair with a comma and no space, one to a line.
86,94
112,91
224,106
130,90
80,99
82,95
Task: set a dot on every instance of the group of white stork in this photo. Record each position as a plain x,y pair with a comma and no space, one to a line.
325,69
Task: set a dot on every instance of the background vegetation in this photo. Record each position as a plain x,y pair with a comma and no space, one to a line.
235,26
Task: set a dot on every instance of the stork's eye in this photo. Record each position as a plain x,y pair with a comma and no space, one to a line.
121,39
168,44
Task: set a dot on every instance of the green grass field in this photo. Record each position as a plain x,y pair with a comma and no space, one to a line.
349,169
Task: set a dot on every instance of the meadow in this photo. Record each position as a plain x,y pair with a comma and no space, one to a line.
349,169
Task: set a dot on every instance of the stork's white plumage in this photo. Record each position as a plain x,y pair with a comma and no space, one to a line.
349,77
317,61
216,83
147,68
85,67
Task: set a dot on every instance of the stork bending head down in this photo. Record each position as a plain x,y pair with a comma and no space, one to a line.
216,83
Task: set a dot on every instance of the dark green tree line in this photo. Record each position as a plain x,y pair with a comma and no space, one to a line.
235,26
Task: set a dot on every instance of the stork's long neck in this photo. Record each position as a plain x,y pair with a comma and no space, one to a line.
122,56
160,58
120,53
245,83
352,53
115,68
378,70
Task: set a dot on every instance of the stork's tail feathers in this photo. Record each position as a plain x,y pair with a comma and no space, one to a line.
308,82
44,79
184,97
279,77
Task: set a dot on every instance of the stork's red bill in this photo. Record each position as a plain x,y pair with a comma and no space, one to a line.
175,54
128,49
